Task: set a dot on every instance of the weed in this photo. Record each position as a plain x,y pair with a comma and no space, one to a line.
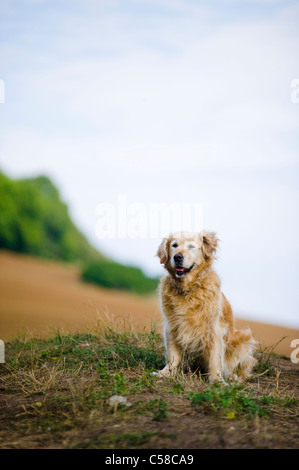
267,359
177,389
119,384
231,399
280,401
159,409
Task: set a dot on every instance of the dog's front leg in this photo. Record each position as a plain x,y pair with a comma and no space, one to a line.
215,362
174,357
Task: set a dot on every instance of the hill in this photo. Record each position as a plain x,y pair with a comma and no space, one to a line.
34,220
42,295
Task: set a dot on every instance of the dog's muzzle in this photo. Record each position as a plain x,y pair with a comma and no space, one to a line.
179,268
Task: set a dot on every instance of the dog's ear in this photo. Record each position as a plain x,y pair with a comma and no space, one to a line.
162,252
209,243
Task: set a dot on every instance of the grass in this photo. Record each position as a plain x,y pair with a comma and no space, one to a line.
268,359
160,409
231,400
61,387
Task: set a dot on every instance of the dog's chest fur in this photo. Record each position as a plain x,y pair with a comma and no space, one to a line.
191,316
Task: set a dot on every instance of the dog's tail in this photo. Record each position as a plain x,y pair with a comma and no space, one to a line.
239,354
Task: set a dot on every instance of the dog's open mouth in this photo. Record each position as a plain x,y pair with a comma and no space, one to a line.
182,271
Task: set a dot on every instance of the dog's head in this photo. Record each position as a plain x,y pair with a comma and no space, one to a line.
183,253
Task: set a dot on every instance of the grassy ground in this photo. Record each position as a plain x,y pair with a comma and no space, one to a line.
56,393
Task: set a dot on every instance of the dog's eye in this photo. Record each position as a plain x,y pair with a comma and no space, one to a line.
191,246
175,245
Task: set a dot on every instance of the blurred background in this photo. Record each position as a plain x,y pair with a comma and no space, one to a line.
161,101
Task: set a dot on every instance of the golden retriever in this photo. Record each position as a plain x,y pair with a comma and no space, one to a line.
198,319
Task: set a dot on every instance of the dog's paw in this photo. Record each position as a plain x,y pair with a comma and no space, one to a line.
156,374
217,379
162,373
234,378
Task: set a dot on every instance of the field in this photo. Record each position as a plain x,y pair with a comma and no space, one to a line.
57,393
39,297
71,347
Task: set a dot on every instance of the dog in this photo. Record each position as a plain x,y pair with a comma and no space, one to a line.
198,319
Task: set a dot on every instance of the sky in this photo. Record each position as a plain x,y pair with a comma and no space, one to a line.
162,102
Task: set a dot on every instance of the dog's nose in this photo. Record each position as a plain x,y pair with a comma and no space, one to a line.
178,258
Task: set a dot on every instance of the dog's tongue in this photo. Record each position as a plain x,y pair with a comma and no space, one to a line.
180,269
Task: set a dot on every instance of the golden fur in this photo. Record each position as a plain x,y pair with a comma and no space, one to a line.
198,319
